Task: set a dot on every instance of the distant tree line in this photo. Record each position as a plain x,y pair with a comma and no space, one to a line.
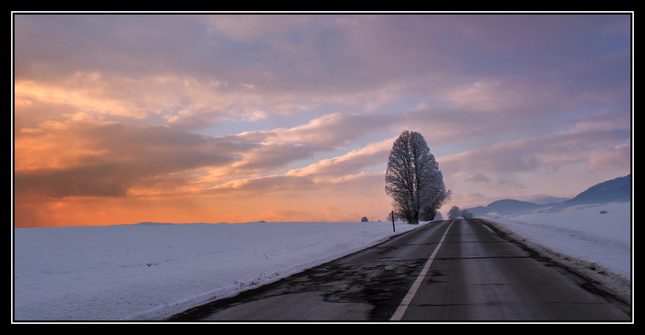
455,213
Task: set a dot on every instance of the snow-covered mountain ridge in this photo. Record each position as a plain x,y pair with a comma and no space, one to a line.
614,190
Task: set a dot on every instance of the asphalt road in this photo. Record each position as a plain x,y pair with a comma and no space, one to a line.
454,270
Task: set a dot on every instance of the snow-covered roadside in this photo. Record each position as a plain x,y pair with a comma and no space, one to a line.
597,245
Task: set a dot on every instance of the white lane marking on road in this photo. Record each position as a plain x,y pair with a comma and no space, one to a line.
490,230
398,314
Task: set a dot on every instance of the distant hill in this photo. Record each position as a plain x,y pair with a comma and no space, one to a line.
614,190
153,224
505,207
548,200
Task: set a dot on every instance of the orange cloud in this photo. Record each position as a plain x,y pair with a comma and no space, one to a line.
82,92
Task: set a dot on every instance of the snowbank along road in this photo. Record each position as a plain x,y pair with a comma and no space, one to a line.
454,270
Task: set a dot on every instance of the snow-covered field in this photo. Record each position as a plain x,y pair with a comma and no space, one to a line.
152,271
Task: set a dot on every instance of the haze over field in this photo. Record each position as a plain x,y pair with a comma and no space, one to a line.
124,118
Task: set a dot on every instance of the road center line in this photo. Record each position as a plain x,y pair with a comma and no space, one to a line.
398,314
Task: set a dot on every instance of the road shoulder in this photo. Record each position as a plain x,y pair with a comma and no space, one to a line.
589,275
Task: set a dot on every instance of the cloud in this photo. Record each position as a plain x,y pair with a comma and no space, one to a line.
207,69
328,133
544,152
115,159
251,27
90,180
352,162
479,178
345,172
560,164
265,185
113,110
86,159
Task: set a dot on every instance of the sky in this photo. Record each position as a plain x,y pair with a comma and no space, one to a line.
121,118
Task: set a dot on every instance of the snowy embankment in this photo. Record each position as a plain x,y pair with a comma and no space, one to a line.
152,271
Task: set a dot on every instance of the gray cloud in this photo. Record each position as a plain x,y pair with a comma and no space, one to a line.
547,152
479,178
116,157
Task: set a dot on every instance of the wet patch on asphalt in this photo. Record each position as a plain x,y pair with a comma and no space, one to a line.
379,284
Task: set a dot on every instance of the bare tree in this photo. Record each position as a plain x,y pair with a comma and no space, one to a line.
413,178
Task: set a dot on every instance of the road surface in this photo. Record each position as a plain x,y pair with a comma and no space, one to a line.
453,270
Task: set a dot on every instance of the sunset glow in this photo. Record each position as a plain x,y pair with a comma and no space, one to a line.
124,118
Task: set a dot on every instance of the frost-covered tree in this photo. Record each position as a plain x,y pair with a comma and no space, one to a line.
429,211
454,213
413,178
